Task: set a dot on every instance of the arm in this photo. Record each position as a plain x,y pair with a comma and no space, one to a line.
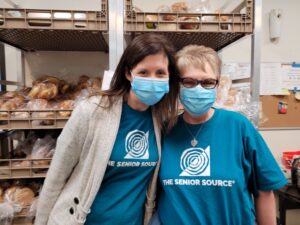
67,152
265,208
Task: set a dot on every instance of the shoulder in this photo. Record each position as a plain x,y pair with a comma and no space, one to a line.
235,119
232,116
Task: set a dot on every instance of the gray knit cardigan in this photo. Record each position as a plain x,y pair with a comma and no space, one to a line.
79,163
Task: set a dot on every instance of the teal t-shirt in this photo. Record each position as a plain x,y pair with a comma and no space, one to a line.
213,182
121,198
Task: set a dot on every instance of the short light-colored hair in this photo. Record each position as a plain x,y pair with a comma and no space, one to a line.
198,56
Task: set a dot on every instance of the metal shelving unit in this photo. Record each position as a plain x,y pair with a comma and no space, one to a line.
45,30
55,30
209,29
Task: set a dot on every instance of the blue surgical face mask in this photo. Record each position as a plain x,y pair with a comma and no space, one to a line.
197,100
149,90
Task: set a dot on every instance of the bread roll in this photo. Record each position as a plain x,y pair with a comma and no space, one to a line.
37,104
21,163
46,79
63,87
2,101
10,94
13,104
22,196
179,7
82,83
48,91
41,162
189,26
46,88
34,91
66,105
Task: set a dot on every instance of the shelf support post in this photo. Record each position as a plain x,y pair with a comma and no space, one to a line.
256,53
116,29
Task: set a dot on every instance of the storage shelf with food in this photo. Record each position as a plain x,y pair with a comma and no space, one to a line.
25,158
55,30
48,104
33,114
184,23
26,153
18,201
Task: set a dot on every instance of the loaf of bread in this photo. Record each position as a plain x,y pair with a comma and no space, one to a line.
82,82
46,88
22,196
46,79
65,105
10,94
21,163
11,104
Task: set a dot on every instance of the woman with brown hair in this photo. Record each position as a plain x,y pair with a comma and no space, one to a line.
106,162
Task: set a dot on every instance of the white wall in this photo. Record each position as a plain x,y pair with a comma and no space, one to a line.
13,66
65,65
286,49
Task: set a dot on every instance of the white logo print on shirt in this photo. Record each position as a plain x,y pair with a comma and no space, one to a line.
195,162
137,145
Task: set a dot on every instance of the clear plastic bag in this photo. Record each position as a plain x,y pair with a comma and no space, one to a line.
201,6
42,147
27,144
6,213
32,210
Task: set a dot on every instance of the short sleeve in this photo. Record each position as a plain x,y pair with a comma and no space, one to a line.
265,172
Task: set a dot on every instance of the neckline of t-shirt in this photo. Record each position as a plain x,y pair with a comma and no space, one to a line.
206,123
127,107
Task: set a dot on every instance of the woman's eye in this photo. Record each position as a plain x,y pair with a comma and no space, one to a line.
162,74
143,73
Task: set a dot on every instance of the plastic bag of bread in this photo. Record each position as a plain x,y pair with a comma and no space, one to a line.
10,94
39,104
45,88
12,104
32,210
26,145
6,213
19,197
41,150
41,117
223,89
166,13
180,7
21,163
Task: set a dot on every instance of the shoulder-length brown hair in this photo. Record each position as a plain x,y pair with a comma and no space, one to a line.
165,110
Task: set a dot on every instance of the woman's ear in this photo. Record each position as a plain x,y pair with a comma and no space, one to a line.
128,75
